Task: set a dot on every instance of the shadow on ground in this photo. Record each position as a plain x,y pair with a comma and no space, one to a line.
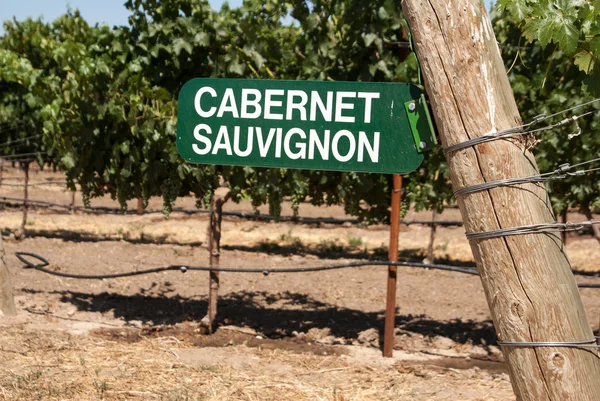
81,236
333,251
275,315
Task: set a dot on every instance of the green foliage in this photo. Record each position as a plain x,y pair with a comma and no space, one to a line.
546,80
114,129
355,41
572,25
23,93
106,98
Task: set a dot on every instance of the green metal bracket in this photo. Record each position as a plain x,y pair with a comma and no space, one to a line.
412,49
421,124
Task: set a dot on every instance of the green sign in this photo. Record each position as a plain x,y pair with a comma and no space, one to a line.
344,126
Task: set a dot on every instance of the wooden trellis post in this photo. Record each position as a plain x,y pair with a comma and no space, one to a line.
7,301
214,250
527,278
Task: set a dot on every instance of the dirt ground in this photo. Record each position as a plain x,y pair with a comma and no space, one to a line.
310,336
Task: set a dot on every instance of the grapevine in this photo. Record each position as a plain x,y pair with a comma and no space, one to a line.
105,99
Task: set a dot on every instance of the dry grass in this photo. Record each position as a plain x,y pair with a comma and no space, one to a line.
50,365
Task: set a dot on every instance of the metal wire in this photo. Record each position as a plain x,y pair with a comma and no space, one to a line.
8,157
244,215
559,344
586,162
407,45
562,172
543,117
544,228
20,140
500,183
19,160
520,131
35,184
18,125
52,204
485,138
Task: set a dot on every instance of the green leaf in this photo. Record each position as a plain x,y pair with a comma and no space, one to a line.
125,147
179,44
595,46
382,13
519,9
68,161
202,39
236,68
591,83
584,61
258,59
117,46
554,22
369,38
31,100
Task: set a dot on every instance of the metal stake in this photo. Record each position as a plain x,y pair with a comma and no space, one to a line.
390,308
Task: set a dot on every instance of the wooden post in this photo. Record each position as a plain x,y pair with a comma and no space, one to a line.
7,300
140,206
527,279
21,233
73,201
214,251
390,307
430,258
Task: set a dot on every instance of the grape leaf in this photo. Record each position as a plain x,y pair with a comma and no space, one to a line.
584,60
554,22
519,9
591,83
179,44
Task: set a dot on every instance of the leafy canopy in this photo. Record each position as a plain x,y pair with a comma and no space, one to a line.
572,25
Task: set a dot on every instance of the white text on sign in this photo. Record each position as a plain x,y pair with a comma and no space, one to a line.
296,143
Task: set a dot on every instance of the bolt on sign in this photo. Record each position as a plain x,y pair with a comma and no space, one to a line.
342,126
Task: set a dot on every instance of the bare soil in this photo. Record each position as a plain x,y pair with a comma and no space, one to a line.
310,336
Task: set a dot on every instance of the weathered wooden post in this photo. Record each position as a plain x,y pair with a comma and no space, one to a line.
73,201
214,251
7,300
21,232
140,206
527,278
429,257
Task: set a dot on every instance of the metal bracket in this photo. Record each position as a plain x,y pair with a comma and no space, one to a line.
421,124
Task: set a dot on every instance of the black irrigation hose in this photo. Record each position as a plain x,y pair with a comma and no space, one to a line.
42,267
22,256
